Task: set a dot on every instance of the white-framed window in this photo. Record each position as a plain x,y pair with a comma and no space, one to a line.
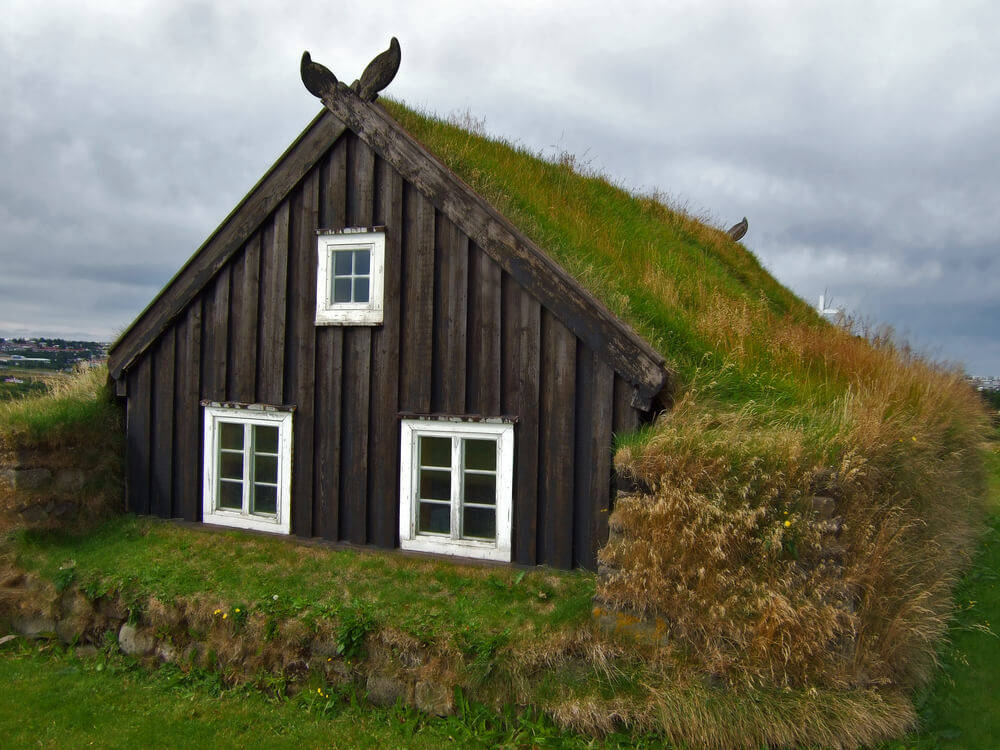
248,467
456,487
349,277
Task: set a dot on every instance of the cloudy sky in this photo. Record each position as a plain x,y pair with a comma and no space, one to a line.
862,140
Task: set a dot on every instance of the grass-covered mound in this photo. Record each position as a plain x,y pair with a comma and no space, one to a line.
774,406
61,453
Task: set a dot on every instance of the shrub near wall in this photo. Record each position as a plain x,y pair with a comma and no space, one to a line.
61,455
815,550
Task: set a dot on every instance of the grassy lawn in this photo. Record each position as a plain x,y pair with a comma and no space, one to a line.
51,698
962,707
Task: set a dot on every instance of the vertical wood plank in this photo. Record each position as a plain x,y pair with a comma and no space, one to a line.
484,366
418,302
273,286
357,364
137,432
329,379
451,287
383,485
300,355
188,433
215,338
556,425
244,303
521,352
330,366
161,450
626,420
592,461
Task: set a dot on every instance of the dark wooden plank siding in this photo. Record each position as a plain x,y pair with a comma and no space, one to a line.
244,299
451,287
383,480
357,365
188,433
484,324
416,345
137,436
301,346
273,287
555,442
521,356
215,338
329,363
592,455
162,421
459,335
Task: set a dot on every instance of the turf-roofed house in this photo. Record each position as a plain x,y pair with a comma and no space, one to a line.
366,350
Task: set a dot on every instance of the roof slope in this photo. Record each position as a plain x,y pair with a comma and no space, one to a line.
646,272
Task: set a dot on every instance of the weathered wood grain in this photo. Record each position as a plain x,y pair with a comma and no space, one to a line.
484,324
520,382
592,455
244,299
162,433
188,434
555,439
383,475
273,286
418,302
451,288
231,234
215,337
300,346
137,436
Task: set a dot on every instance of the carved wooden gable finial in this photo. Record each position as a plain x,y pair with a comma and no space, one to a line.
320,81
736,231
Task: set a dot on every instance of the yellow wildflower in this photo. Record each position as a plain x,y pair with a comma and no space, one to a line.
787,524
225,615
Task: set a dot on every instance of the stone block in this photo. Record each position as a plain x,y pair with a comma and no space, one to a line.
68,480
823,507
34,626
166,652
134,641
386,691
434,698
31,479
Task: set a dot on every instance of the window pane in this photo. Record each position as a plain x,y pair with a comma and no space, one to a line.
481,454
231,495
265,469
264,500
435,484
265,439
362,262
481,488
231,436
479,523
435,518
435,451
342,290
361,290
342,263
231,466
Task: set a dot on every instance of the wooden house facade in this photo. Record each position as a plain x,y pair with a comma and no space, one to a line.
470,409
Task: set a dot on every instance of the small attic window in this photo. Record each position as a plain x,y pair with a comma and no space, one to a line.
349,277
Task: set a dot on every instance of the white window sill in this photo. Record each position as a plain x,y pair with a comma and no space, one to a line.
456,548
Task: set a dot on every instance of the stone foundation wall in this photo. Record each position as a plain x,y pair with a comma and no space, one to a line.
58,487
191,634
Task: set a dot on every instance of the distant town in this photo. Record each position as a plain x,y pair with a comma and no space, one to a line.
29,365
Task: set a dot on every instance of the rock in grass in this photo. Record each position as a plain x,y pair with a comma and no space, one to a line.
434,698
134,642
386,691
34,627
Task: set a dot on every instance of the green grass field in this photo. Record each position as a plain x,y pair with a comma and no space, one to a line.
51,698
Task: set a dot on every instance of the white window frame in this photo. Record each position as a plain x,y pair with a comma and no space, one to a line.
370,313
243,519
409,483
